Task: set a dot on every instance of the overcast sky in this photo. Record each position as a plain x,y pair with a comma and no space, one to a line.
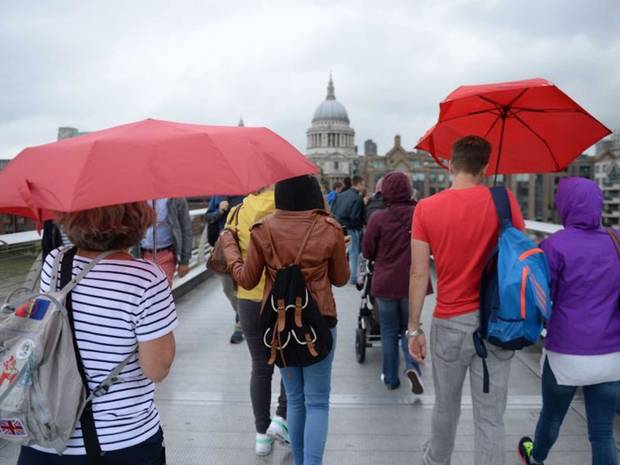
95,64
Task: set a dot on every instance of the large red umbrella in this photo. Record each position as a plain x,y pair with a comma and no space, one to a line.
532,126
148,159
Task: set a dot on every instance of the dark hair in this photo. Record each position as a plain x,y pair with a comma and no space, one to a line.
336,185
107,228
470,154
347,183
357,180
299,194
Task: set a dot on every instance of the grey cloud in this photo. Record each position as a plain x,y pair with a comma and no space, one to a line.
97,65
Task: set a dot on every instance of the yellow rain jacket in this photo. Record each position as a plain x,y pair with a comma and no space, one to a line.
253,209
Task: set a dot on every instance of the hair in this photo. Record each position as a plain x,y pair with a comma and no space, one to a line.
470,155
117,227
346,183
337,185
299,194
357,180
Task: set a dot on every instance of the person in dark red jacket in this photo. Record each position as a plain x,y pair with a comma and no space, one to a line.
387,242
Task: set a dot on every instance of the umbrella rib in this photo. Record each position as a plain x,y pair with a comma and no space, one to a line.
527,126
492,125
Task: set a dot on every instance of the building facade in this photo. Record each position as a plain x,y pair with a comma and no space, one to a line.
607,175
427,177
331,139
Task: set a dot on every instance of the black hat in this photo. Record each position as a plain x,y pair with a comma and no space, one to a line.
299,194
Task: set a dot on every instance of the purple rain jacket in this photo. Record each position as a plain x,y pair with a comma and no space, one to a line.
585,274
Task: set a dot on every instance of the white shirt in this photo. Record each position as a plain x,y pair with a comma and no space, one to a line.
583,370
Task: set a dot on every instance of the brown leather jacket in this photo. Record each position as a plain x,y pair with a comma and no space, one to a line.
323,261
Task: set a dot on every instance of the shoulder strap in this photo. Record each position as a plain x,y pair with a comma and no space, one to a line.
305,241
502,206
87,419
614,238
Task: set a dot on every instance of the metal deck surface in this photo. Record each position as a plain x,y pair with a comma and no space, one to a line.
207,416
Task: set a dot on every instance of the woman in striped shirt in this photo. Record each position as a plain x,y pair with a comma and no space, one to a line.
122,304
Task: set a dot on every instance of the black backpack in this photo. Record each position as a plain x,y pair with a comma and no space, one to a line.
293,329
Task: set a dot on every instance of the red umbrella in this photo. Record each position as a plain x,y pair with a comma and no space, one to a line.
149,159
532,125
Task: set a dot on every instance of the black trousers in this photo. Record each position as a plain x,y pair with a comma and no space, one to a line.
262,372
149,452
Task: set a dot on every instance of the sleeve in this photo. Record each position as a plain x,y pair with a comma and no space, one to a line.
213,214
554,259
157,315
418,230
357,212
338,266
517,216
247,274
371,239
185,221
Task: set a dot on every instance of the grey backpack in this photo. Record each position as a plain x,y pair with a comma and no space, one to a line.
42,387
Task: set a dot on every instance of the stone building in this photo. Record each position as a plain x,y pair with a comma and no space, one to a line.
331,140
607,175
427,177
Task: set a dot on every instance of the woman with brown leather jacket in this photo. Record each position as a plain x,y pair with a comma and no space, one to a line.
299,205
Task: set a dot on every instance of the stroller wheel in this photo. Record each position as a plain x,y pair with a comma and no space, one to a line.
360,345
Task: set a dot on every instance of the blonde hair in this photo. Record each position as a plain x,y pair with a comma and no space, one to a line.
117,227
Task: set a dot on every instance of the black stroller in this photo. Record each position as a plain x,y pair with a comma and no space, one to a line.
368,332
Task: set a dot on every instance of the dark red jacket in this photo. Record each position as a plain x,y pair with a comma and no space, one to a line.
387,240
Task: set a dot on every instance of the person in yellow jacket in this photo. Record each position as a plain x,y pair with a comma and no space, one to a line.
255,207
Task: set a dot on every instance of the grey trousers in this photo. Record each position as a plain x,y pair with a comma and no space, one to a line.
228,285
262,372
453,355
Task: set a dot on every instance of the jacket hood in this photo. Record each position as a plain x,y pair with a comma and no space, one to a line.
259,205
579,203
396,189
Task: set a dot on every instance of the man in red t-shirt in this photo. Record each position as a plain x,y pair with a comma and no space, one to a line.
459,226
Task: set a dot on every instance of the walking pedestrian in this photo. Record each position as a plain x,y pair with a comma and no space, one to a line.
255,207
171,245
216,217
376,202
460,226
582,347
387,243
336,189
299,205
123,306
348,209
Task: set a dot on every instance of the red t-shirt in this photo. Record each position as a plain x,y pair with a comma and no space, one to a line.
461,227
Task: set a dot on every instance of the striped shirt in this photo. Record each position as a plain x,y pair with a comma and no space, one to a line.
118,304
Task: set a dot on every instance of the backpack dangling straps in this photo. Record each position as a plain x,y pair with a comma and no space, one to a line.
305,241
502,206
614,238
87,419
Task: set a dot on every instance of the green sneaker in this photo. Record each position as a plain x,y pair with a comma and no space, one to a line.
526,446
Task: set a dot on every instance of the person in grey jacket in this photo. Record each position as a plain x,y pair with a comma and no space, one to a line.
169,242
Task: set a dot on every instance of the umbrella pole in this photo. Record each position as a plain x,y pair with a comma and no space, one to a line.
501,143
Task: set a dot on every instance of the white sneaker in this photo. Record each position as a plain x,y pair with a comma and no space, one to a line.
278,430
417,387
264,444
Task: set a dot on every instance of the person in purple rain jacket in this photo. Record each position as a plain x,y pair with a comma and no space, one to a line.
582,347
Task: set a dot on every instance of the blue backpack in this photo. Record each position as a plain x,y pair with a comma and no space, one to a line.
515,297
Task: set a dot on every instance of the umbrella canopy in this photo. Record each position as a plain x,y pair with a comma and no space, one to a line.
532,126
145,160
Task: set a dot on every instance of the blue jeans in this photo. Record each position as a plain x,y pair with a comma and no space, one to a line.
393,316
601,401
307,393
354,252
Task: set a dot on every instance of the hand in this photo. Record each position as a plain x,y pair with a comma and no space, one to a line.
347,241
183,270
224,206
417,347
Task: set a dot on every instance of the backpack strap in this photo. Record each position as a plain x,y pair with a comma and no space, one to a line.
614,239
87,419
502,206
305,241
